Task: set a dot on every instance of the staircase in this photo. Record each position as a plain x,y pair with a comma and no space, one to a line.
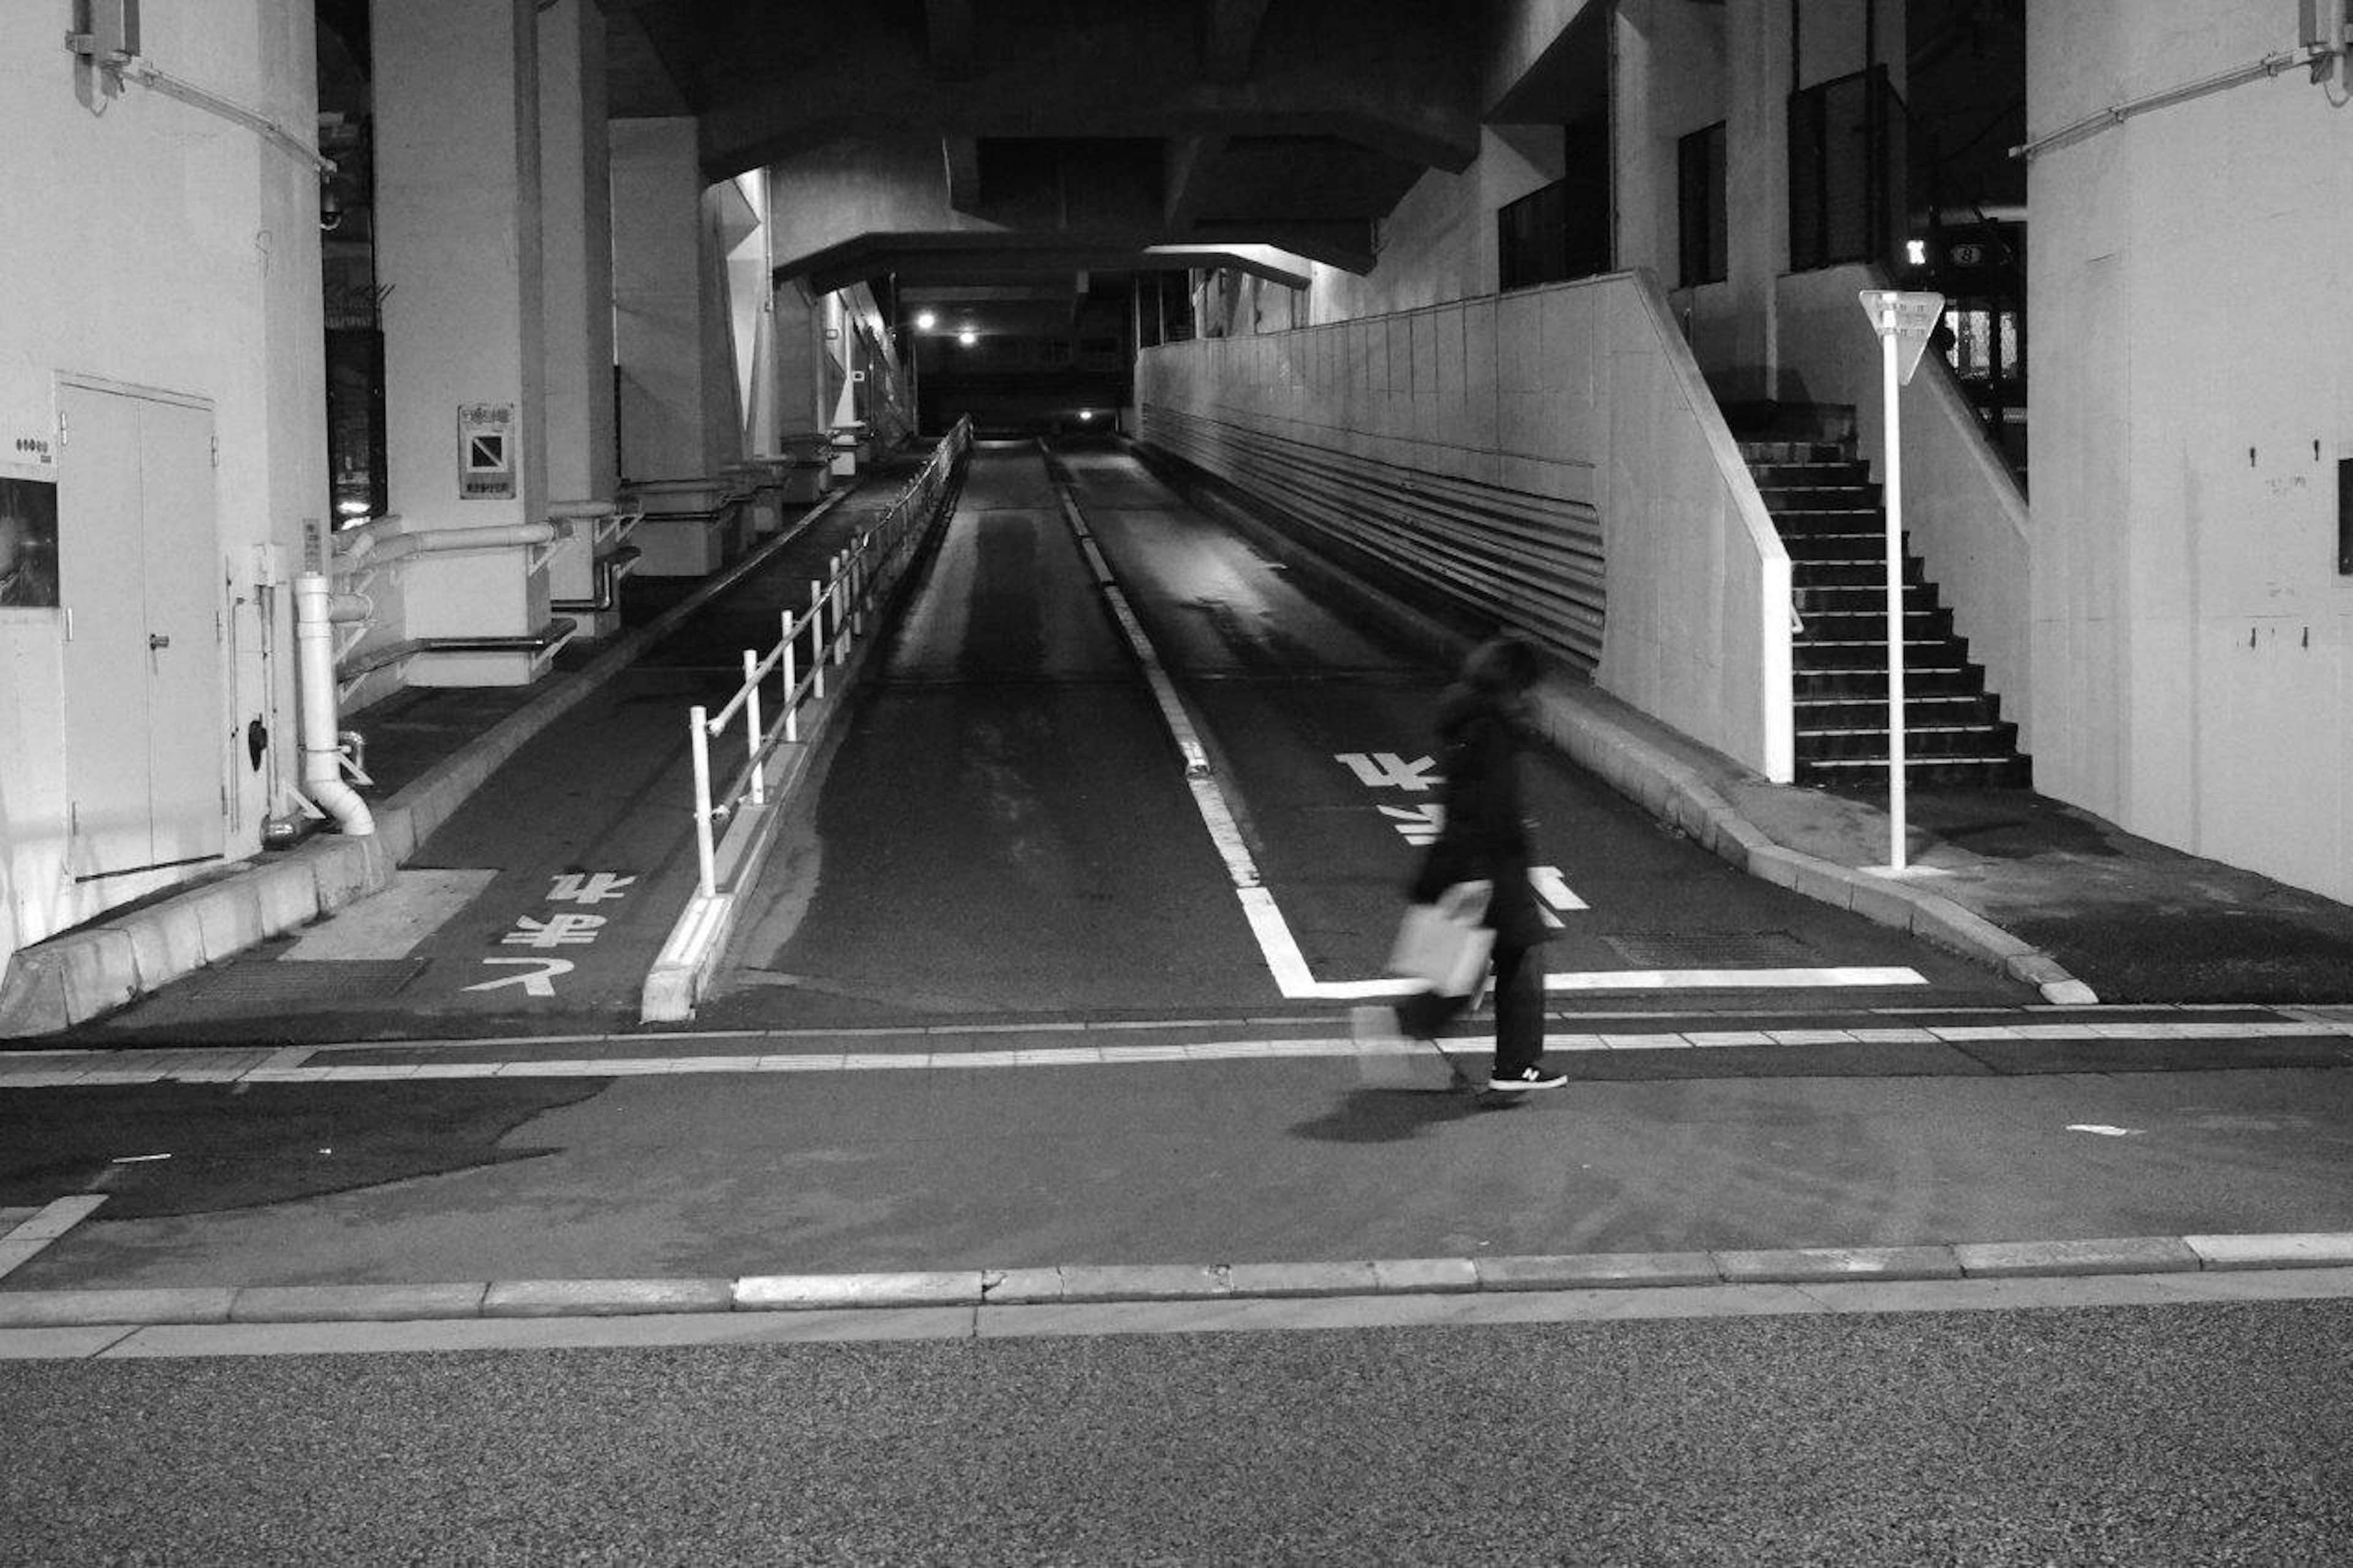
1827,509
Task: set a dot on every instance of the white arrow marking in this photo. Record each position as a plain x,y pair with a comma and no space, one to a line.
1553,888
539,982
1418,824
1386,769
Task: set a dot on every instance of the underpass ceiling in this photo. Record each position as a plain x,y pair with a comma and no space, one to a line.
1056,135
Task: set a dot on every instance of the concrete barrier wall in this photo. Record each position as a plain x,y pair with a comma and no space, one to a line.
1968,522
1549,457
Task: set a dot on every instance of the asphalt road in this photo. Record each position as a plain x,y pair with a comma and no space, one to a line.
1223,1162
2207,1435
1005,828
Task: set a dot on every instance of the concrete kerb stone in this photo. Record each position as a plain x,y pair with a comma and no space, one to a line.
357,1303
1816,1264
604,1298
1597,1271
1091,1283
1288,1280
79,1309
2289,1251
2113,1255
803,1292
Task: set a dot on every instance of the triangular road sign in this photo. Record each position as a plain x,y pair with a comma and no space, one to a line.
1909,319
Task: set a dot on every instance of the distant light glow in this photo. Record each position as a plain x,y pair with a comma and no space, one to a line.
1916,251
351,508
1086,414
926,320
968,337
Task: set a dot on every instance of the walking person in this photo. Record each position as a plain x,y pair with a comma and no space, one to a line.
1485,837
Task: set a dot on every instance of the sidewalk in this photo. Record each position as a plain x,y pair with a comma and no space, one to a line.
2054,896
439,753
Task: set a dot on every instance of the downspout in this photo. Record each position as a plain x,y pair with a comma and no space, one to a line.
317,608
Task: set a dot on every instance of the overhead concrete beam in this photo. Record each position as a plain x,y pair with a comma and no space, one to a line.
960,155
937,256
954,43
1231,28
1186,166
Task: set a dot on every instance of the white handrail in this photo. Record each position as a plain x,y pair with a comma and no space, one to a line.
855,578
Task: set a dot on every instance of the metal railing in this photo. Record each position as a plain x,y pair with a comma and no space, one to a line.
856,579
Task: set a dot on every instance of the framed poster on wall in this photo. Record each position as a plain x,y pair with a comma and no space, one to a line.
29,543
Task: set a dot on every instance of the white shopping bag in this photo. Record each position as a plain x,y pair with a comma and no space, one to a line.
1443,944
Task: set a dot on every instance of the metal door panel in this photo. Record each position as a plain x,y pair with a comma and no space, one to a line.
183,646
101,583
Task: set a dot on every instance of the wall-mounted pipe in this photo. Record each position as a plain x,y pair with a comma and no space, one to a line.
370,550
316,604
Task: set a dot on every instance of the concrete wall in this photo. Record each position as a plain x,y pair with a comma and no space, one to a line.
1574,405
2192,401
151,243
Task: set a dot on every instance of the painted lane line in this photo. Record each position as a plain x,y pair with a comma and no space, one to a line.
52,1220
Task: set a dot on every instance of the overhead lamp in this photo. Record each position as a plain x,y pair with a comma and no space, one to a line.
926,320
1085,415
968,337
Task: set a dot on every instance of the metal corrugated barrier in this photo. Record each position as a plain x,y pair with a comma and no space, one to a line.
1530,561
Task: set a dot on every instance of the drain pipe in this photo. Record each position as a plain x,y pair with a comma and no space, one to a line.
317,609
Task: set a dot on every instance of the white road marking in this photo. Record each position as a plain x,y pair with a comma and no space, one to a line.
1388,770
1418,825
539,982
1553,888
51,1221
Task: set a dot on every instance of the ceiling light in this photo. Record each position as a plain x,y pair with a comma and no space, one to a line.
1086,414
968,337
926,320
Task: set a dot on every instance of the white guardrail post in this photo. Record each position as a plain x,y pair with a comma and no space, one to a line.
835,618
699,735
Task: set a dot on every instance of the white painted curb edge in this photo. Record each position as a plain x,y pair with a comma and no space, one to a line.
1074,1283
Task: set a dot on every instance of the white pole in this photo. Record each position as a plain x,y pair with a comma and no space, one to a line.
752,733
792,684
699,739
1891,388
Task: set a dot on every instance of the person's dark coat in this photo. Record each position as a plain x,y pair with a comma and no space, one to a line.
1485,835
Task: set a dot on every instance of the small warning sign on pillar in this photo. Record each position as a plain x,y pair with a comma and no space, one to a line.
486,451
1909,319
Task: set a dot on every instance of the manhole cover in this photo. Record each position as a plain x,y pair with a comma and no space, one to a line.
1709,950
319,982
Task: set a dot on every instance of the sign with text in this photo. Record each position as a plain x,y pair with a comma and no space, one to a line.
1907,318
486,451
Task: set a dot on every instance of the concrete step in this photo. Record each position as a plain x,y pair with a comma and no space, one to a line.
1979,772
1940,740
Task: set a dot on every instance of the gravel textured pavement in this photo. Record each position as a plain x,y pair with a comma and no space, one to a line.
2187,1435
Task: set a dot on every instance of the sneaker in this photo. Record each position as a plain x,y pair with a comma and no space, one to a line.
1527,1078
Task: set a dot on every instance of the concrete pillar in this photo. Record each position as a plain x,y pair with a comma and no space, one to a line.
576,225
678,400
458,241
800,340
576,246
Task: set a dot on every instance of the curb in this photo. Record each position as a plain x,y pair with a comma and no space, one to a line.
85,973
1075,1284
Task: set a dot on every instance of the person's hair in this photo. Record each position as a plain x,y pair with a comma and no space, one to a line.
1504,665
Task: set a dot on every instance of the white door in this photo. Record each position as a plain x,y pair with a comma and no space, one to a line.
138,564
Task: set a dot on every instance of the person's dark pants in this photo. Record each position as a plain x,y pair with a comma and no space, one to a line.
1519,1008
1519,990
